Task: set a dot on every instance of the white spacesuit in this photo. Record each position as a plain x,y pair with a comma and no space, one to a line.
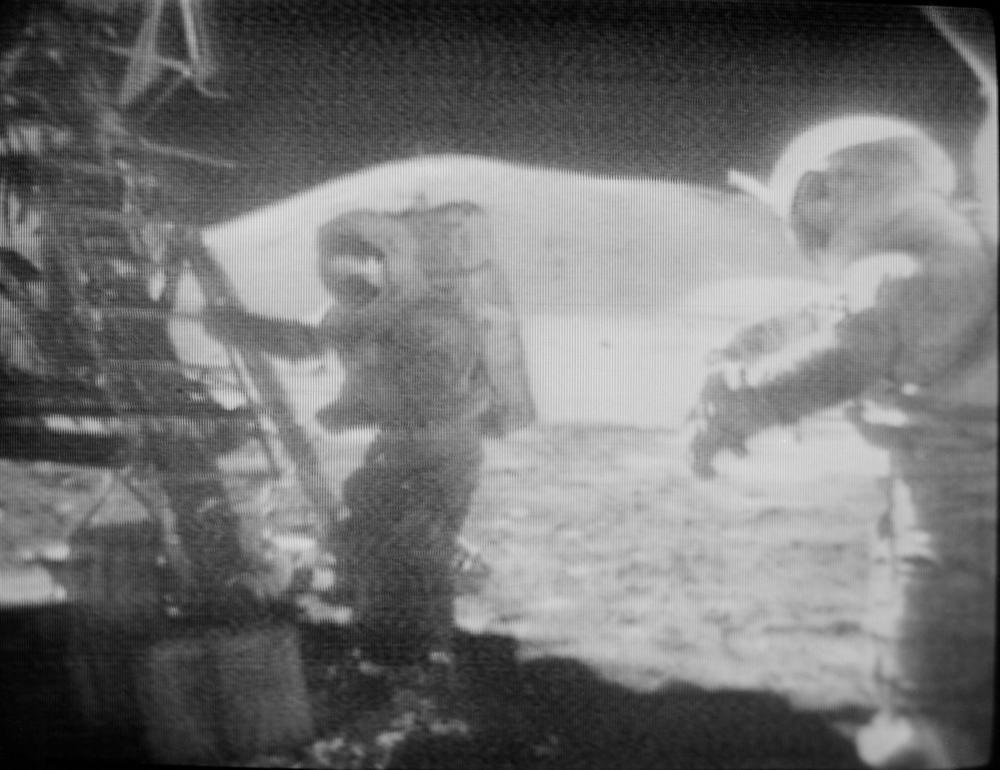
910,345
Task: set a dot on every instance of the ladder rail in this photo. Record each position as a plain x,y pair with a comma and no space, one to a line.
218,290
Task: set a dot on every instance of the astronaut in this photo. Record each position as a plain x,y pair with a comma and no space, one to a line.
908,342
432,359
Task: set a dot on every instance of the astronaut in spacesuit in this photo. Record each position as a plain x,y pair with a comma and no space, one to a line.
909,344
425,332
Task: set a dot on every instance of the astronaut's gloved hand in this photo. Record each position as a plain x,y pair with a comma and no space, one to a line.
717,423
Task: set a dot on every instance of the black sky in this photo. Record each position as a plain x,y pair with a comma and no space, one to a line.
659,89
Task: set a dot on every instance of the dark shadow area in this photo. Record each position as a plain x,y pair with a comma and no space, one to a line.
558,713
41,720
541,714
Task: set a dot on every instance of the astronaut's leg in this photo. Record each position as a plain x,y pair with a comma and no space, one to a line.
406,513
933,612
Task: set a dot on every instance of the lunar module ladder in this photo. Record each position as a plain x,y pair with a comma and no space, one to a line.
118,396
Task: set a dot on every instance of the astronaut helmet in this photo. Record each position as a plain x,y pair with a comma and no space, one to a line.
365,254
815,148
873,146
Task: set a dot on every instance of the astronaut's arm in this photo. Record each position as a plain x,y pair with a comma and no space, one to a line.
769,336
345,328
835,362
290,340
822,369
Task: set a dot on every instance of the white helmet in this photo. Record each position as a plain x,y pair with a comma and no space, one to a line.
813,149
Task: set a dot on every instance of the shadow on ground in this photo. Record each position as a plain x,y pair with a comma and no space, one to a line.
542,714
41,721
554,712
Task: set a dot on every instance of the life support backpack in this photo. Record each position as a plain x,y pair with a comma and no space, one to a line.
447,249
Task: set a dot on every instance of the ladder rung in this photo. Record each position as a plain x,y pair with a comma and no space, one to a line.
75,405
67,215
146,313
35,445
143,365
83,167
103,421
164,365
200,477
